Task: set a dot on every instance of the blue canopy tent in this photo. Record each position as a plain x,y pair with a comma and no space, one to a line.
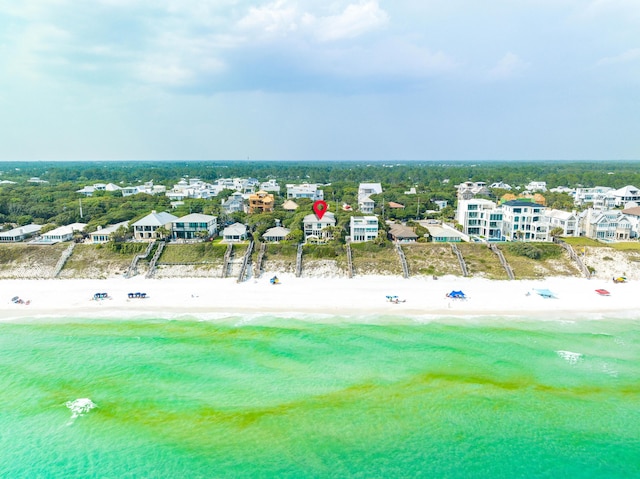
456,295
545,293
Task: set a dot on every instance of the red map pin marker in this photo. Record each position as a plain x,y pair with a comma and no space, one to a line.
320,208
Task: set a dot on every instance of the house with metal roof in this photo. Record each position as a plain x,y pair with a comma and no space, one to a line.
63,233
103,235
20,233
277,233
145,228
234,233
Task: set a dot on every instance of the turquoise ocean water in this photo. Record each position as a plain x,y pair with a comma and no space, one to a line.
276,397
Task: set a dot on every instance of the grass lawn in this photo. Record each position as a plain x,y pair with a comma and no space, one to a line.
209,252
582,241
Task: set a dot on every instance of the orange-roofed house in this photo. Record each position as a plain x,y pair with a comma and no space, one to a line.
261,202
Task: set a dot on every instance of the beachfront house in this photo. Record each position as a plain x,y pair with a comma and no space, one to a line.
439,234
363,228
568,221
610,225
275,234
63,233
20,233
146,228
235,233
103,235
318,230
480,217
402,234
523,220
194,226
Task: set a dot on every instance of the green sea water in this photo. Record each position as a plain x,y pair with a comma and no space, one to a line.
281,398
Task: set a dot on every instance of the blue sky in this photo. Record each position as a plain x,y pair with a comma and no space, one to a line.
312,80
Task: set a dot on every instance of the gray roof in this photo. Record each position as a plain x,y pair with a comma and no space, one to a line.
235,229
195,218
327,218
277,232
20,230
401,231
107,230
156,219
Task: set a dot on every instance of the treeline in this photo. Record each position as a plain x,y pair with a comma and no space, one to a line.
57,203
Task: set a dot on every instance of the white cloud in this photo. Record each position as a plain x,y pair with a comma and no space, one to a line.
625,57
355,20
283,17
508,66
274,18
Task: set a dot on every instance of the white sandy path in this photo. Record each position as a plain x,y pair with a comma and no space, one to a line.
353,299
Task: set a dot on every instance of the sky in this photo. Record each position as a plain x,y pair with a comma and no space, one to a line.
365,80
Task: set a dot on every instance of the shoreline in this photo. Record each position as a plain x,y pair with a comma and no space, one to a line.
360,299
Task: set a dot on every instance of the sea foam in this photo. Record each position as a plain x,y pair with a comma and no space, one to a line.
570,357
80,406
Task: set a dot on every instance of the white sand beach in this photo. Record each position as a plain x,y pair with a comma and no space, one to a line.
353,299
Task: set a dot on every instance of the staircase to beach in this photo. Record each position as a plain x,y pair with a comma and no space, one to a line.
403,261
463,265
503,260
246,261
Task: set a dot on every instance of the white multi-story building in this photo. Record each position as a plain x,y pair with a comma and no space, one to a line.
524,220
194,226
363,228
317,229
626,195
366,204
600,197
305,190
365,190
611,225
568,221
146,228
480,217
